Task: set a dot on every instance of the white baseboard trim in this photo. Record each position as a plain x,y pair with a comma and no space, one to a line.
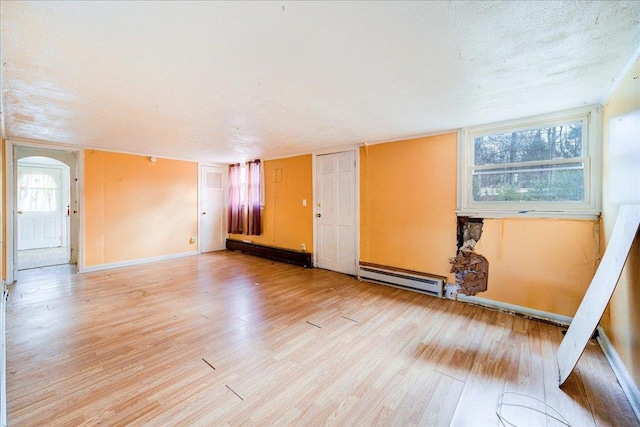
517,309
626,382
137,261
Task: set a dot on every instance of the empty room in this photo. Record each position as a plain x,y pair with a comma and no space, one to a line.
320,213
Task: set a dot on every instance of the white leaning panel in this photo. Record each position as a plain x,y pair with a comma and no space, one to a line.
600,290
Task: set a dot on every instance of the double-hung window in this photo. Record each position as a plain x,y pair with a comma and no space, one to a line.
545,166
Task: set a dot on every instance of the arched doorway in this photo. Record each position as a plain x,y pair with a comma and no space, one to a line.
50,224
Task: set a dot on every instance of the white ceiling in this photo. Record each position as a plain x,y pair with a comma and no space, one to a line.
233,81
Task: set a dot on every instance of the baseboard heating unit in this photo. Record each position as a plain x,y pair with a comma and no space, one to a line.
300,258
408,279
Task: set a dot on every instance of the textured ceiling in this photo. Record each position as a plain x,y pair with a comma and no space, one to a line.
224,82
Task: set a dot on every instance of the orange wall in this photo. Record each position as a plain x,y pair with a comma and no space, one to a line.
408,202
134,209
408,220
544,264
286,223
621,185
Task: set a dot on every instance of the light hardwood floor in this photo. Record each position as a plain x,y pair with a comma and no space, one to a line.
229,339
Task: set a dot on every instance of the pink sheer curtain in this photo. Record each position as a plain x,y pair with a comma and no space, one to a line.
253,198
245,204
235,200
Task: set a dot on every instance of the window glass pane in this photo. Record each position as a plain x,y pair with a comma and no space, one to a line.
560,141
549,183
37,192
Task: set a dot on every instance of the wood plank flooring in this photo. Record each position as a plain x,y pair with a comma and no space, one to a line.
230,339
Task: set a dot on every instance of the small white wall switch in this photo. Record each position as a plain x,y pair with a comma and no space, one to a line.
304,202
303,246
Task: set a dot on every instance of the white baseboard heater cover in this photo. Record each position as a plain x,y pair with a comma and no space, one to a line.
402,278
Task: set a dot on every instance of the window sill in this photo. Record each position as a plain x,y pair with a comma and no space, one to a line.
487,213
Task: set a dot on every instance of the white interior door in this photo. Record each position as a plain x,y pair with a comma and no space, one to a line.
336,212
41,213
212,208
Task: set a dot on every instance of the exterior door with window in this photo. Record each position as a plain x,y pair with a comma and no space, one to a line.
40,210
336,212
212,210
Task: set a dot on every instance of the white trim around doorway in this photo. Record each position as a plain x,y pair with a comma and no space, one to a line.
10,211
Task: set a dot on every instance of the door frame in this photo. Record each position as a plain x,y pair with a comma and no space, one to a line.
225,197
77,226
337,150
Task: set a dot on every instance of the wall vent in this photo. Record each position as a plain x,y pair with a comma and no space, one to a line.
407,279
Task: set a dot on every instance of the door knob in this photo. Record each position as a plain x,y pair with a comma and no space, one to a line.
204,213
19,212
318,215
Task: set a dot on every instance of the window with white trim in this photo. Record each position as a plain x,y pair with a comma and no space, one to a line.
540,166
